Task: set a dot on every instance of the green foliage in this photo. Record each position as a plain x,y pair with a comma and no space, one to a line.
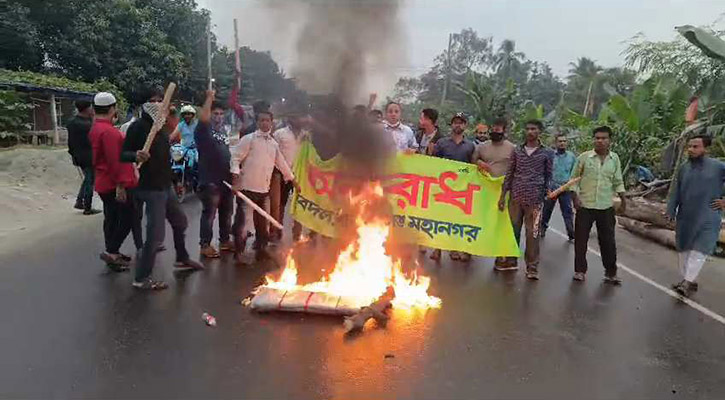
20,47
134,45
60,82
677,58
13,114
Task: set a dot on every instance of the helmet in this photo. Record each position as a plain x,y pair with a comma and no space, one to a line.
188,109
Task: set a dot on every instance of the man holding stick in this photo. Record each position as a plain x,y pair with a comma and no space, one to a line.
212,142
527,179
156,192
563,164
601,177
696,204
253,160
289,140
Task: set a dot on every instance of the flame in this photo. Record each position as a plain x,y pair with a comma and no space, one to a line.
363,271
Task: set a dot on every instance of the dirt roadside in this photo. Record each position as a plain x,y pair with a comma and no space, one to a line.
38,187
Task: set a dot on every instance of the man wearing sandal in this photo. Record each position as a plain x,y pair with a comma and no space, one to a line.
156,192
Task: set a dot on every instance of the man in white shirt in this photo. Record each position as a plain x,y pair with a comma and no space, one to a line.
252,162
289,139
402,135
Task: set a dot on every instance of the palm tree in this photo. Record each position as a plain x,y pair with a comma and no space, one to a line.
585,73
507,61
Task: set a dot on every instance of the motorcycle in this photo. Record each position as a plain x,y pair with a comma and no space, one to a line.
185,169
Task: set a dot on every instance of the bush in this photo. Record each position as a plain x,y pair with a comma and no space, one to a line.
13,117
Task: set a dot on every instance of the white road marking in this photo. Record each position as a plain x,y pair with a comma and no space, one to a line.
697,306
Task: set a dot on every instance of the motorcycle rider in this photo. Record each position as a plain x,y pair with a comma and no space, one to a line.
187,126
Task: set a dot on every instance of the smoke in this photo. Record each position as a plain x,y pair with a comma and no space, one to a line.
343,47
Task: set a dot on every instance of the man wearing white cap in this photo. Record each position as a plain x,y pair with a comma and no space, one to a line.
113,179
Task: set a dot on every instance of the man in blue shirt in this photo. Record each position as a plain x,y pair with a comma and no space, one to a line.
212,141
564,161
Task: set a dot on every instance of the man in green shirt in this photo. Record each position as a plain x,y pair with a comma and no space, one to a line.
601,177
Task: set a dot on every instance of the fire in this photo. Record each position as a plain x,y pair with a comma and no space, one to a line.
363,270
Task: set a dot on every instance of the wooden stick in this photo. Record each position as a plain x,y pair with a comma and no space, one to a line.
156,127
375,310
237,61
208,54
564,188
255,207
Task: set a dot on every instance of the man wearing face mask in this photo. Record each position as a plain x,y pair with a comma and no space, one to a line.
156,193
493,158
212,141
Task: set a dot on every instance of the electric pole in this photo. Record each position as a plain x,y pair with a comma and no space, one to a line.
447,80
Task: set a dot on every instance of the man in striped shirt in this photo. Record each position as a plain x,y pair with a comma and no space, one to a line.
527,179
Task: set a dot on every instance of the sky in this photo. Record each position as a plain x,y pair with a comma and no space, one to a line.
555,31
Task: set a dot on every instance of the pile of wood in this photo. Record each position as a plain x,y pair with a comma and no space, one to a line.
648,218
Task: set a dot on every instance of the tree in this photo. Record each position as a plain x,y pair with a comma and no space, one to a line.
684,61
583,83
543,87
408,90
20,46
134,44
510,64
469,52
647,120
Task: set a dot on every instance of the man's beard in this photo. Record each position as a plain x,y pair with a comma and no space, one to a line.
497,137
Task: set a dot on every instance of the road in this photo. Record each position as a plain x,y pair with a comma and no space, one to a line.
72,330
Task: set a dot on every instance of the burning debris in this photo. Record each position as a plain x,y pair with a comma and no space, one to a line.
339,43
364,282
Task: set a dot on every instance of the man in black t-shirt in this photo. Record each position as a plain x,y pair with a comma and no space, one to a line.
156,192
79,147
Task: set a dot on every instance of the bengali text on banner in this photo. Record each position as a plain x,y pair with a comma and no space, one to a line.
437,203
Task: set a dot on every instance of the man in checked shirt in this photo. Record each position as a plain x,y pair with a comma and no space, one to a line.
527,179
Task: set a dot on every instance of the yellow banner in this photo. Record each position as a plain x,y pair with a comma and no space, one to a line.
442,204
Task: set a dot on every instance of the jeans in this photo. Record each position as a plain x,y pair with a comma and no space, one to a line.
605,220
565,204
215,197
260,223
160,205
85,193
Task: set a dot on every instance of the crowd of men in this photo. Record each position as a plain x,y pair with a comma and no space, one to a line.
130,179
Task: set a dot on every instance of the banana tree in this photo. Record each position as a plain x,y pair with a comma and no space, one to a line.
647,120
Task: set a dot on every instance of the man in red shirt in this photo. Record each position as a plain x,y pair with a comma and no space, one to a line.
113,179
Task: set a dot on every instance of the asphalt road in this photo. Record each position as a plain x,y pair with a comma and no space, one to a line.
71,330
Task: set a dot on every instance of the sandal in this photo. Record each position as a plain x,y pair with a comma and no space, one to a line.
114,259
150,284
